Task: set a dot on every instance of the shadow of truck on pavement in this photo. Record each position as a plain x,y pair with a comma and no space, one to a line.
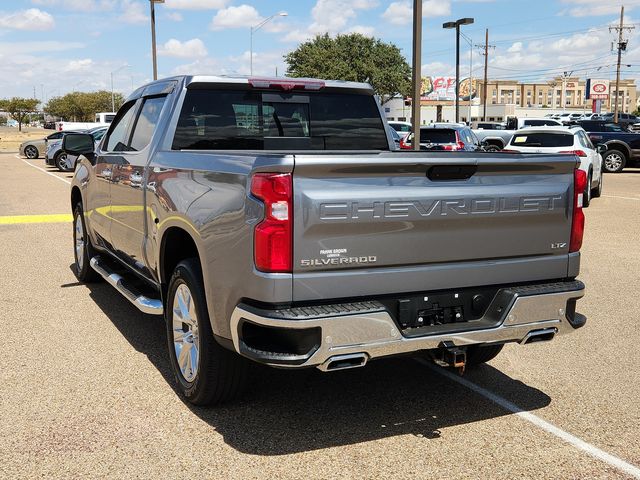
286,411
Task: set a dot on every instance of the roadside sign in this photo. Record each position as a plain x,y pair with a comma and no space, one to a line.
597,89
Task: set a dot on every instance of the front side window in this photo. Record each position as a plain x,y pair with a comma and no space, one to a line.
253,120
116,140
146,122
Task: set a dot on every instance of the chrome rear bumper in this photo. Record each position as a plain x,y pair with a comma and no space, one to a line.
370,330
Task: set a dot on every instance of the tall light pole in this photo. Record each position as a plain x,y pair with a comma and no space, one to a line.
470,42
113,100
254,29
417,73
456,25
152,3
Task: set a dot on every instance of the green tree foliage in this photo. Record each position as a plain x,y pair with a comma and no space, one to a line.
82,106
353,57
19,108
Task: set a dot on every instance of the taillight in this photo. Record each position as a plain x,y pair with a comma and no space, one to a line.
403,143
579,153
459,143
272,242
577,222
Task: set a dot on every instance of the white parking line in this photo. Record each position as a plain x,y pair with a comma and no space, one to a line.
43,170
539,422
624,198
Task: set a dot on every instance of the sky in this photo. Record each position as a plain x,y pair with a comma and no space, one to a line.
52,47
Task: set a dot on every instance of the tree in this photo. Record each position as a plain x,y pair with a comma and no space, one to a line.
18,108
353,57
82,106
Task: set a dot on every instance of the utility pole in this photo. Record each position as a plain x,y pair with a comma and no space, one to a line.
622,47
417,72
484,50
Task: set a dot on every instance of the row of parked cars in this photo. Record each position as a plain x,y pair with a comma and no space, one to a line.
50,147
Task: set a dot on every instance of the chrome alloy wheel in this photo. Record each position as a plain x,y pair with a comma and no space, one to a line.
79,242
613,161
186,340
31,152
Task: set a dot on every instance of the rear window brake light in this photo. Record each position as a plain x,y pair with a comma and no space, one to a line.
286,85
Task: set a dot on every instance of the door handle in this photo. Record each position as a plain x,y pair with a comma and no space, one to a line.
106,172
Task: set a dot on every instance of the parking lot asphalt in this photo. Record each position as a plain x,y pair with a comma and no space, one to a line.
87,389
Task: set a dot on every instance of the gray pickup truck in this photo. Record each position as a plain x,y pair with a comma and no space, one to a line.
270,220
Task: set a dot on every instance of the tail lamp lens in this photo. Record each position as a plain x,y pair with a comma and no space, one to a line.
272,237
577,223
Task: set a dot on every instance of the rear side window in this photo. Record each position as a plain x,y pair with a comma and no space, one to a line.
437,135
253,120
146,122
55,136
542,140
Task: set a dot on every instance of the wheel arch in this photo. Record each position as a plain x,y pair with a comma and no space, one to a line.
76,196
620,146
176,245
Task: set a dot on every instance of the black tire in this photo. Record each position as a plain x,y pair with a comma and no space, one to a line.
82,253
597,192
586,195
613,161
31,152
478,354
492,148
221,374
59,161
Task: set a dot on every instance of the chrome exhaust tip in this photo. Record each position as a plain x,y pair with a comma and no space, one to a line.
344,362
542,335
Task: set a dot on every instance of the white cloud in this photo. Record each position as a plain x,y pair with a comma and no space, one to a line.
30,19
365,30
193,48
133,12
17,48
516,47
77,5
241,16
76,66
332,16
196,4
593,8
401,12
175,16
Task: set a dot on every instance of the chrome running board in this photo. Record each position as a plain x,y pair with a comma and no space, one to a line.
150,306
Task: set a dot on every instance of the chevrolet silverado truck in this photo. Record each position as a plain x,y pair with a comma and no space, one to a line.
270,220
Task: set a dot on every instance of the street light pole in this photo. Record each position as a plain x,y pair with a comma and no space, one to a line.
255,28
417,73
152,4
456,25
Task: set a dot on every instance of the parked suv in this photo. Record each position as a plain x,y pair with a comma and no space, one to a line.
448,137
569,140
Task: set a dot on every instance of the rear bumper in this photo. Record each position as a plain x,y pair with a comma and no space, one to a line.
367,328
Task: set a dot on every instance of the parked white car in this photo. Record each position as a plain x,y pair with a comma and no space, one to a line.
572,140
403,128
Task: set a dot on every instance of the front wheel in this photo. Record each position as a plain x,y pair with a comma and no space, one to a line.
205,372
31,152
613,161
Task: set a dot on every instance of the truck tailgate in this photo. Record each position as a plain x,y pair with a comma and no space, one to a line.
372,212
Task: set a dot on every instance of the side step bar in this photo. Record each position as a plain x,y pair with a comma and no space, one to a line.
150,306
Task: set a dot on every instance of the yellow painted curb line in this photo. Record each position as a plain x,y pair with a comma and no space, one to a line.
19,219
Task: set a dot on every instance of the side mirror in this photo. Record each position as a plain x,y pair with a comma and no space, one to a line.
601,148
78,144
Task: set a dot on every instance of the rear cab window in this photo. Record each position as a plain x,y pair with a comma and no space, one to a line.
236,119
437,135
542,139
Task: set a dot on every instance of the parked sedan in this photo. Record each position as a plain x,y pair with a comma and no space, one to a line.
571,140
34,148
57,158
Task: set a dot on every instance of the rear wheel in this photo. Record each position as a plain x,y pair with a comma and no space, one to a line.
596,192
60,160
205,372
31,152
586,195
613,161
492,148
478,354
83,250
